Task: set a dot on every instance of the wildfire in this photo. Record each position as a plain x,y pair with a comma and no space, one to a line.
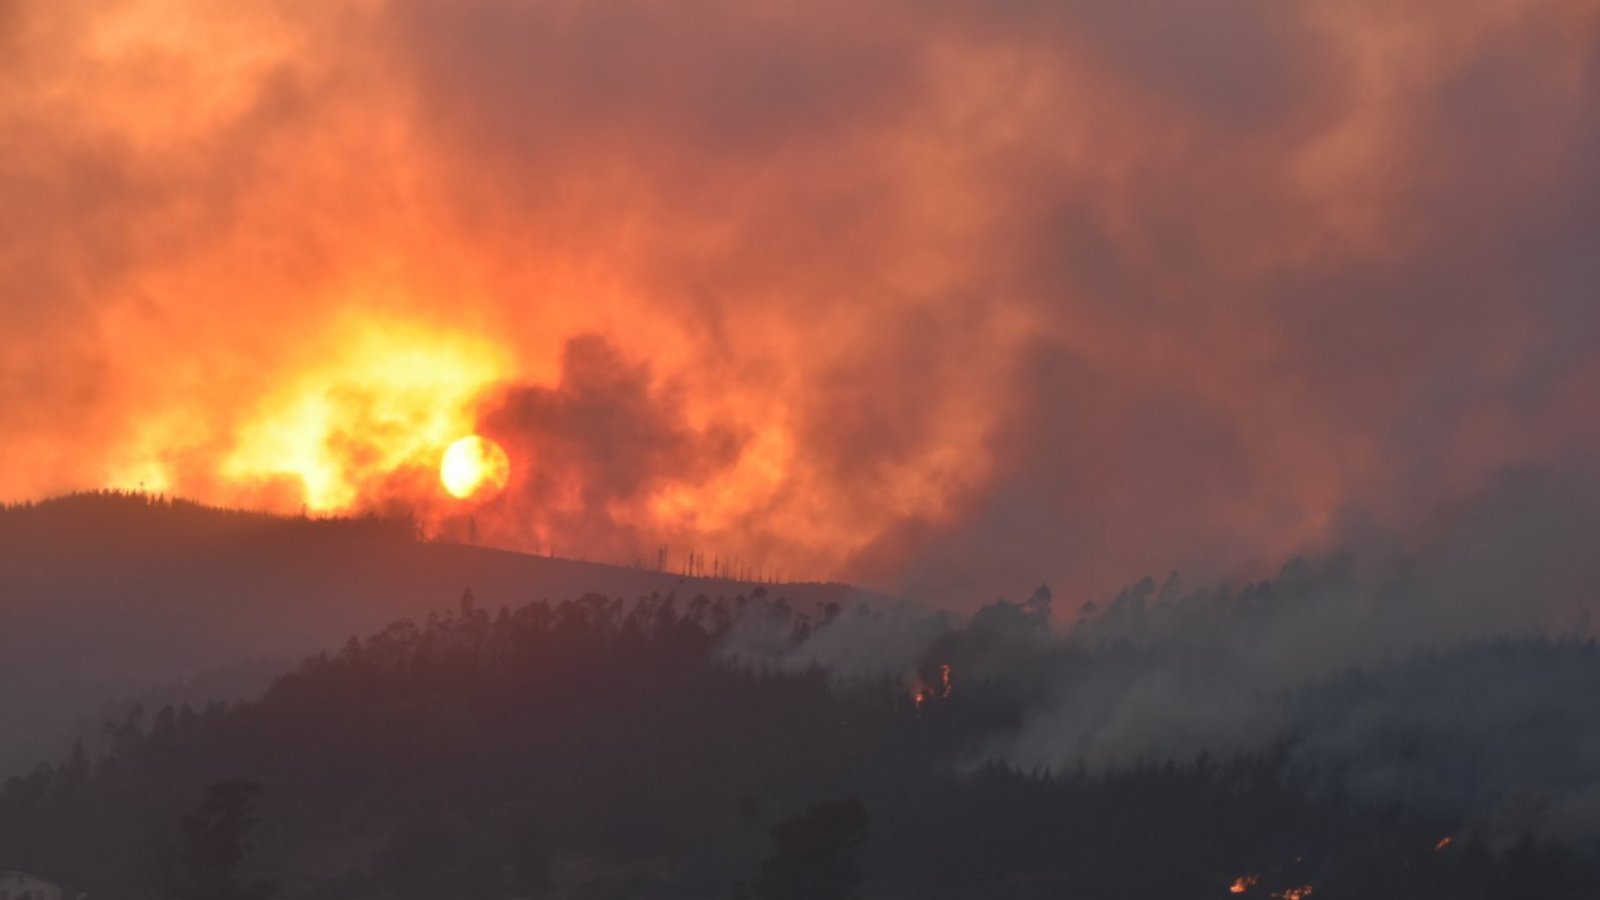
922,692
1443,843
391,397
1244,883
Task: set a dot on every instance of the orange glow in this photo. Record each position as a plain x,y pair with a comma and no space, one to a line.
1294,893
1443,843
391,398
922,693
473,465
268,265
1243,883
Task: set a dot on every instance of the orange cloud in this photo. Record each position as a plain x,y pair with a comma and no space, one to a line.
949,296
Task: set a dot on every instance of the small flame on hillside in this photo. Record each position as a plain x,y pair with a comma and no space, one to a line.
1443,843
1294,893
1243,883
922,692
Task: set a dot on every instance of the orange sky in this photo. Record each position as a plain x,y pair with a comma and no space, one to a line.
948,296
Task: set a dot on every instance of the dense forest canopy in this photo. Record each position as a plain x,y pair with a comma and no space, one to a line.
107,598
709,747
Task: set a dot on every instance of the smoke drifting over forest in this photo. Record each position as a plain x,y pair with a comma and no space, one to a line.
943,297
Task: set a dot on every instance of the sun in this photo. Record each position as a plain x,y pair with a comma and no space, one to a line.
473,465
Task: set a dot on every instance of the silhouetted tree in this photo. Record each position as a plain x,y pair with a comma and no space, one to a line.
815,855
213,849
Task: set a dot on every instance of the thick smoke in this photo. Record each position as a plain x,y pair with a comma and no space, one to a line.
871,640
945,297
1453,678
593,450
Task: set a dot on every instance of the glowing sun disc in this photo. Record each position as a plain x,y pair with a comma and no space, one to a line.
474,464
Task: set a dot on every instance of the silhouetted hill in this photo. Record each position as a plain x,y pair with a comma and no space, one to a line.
110,596
600,749
651,736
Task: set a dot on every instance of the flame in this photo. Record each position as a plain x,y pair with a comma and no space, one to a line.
922,693
1294,893
391,397
262,170
1243,883
1443,843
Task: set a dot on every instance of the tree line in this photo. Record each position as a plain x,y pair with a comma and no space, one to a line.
607,747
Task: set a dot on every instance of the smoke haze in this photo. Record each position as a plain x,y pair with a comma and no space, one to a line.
1455,681
946,298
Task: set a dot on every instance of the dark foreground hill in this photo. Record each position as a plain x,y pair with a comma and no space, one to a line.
1330,731
597,749
109,597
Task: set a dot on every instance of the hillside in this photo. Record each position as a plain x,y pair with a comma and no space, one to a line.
594,749
110,597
